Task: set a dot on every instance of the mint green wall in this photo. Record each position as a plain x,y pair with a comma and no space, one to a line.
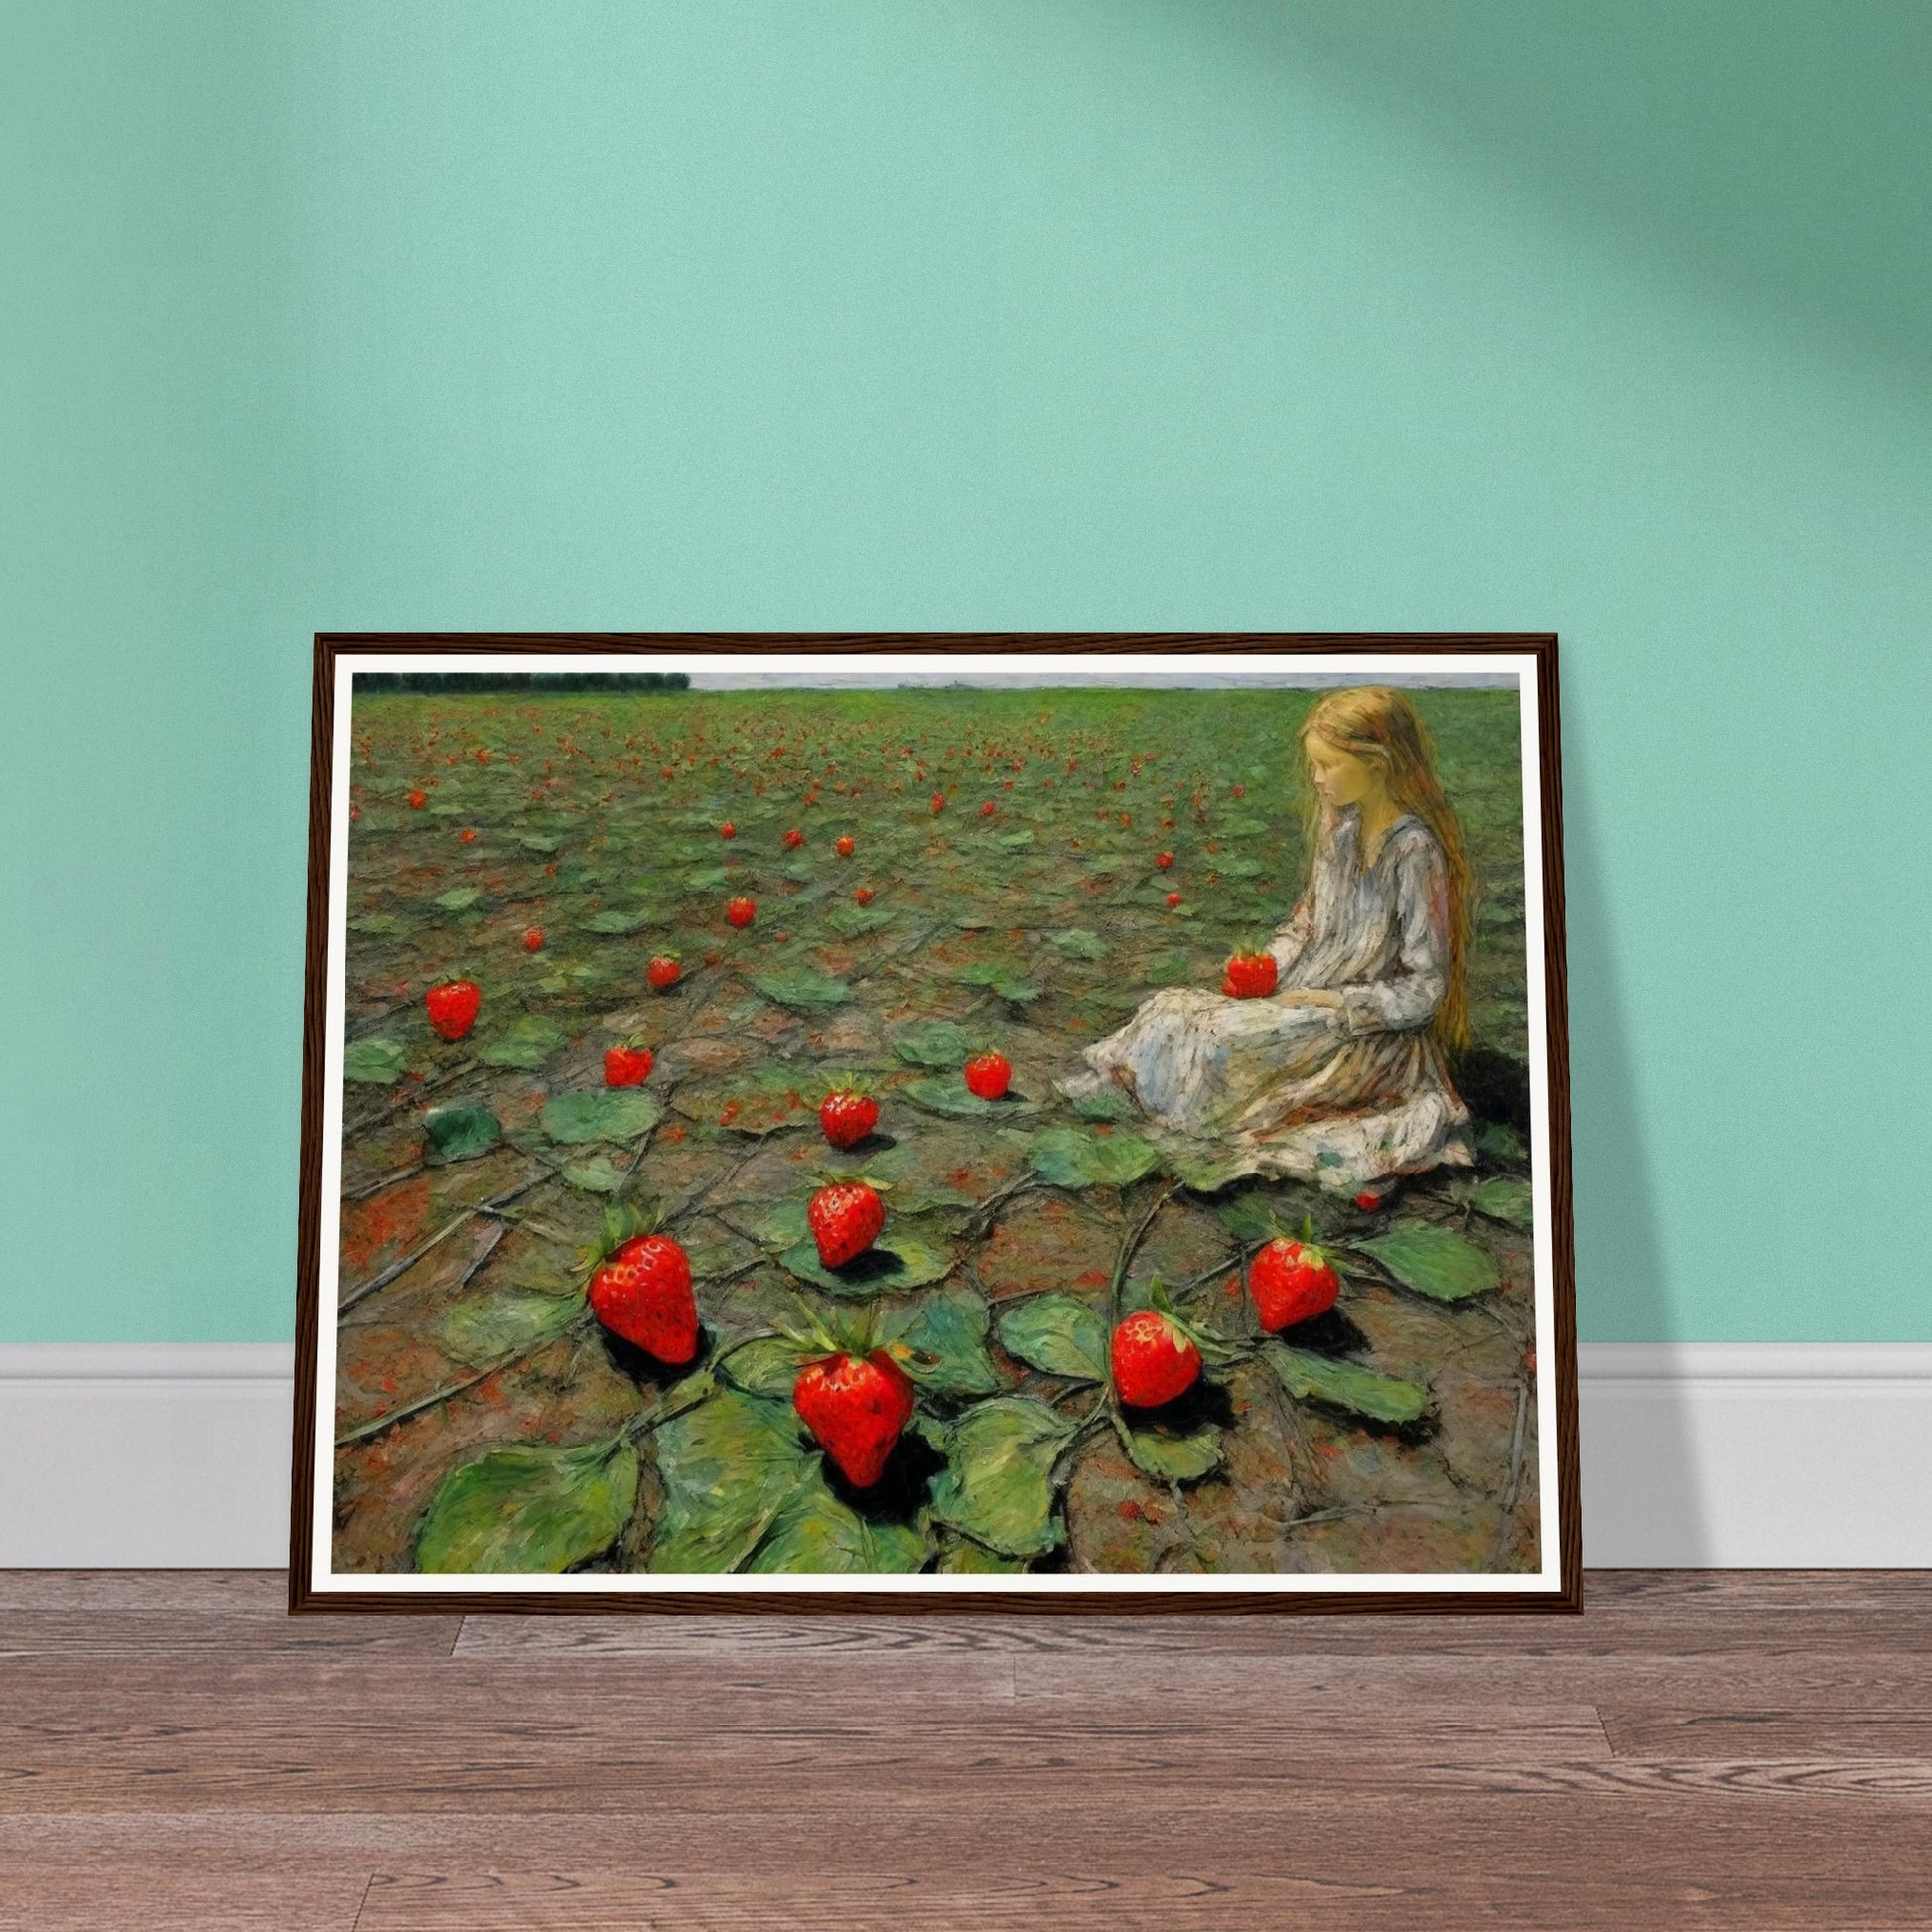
1610,318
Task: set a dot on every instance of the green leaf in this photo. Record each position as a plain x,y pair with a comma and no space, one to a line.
1070,1156
461,1133
596,1175
1056,1334
1204,1170
459,899
1434,1262
1001,979
540,842
615,923
500,1324
887,1267
1346,1385
1079,943
1169,1452
528,1508
1012,841
378,925
852,920
1106,1103
771,1223
728,1468
376,1063
998,1483
801,986
1509,1202
946,1334
707,879
963,1558
1240,867
525,1044
767,1365
1502,1144
609,1113
817,1533
935,1042
940,1094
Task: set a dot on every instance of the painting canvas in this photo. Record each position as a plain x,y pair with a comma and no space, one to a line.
1035,1121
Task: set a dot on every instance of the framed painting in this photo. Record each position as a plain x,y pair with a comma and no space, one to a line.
1040,1123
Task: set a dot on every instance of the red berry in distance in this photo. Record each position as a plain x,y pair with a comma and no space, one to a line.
845,1220
417,800
1173,899
642,1293
468,835
988,1076
1291,1282
794,838
938,802
664,971
628,1066
846,845
742,912
728,830
533,939
452,1008
857,1409
846,1118
1164,860
1152,1361
985,811
1250,976
1368,1202
864,895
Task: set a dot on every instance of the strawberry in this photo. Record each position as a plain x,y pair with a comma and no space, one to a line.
794,838
1173,899
1291,1282
1250,976
846,845
417,800
846,1117
728,830
857,1409
864,895
664,971
644,1293
742,912
1164,860
845,1220
988,1076
452,1008
628,1066
533,939
938,802
985,811
1367,1201
1154,1362
468,835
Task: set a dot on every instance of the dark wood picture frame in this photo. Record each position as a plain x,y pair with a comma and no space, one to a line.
331,649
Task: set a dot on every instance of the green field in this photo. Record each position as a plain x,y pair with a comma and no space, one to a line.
488,1421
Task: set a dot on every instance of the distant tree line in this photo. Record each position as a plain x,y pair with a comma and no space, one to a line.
431,684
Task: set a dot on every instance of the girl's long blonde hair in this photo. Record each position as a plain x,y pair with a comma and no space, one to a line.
1379,724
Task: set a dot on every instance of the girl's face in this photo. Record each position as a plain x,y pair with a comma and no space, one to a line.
1340,777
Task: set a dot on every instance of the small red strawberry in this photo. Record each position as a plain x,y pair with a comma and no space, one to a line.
468,835
846,845
452,1008
1250,976
857,1409
988,1076
985,811
938,802
845,1220
664,971
1173,899
728,830
1291,1282
533,939
794,838
1241,792
864,895
628,1066
742,912
417,800
644,1293
1154,1362
1164,860
1368,1202
846,1117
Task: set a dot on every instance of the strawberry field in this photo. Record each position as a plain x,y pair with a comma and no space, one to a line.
930,876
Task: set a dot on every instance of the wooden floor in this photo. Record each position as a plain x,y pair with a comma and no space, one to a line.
1698,1749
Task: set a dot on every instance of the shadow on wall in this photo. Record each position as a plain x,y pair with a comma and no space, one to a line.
1775,152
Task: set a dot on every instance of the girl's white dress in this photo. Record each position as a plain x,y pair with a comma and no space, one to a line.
1342,1098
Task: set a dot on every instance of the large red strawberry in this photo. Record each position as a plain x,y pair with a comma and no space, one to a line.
628,1066
1250,976
740,911
664,971
644,1293
988,1076
1154,1362
1291,1282
857,1407
846,1117
845,1220
452,1008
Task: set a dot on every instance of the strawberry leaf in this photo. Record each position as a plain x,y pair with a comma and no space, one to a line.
614,924
801,986
1512,1202
1434,1262
728,1468
1169,1452
495,1325
1070,1156
901,1261
376,1063
817,1533
1346,1385
609,1113
528,1508
945,1334
998,1483
461,1133
1058,1335
935,1042
949,1096
769,1365
525,1044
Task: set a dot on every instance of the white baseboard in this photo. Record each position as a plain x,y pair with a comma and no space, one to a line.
1697,1455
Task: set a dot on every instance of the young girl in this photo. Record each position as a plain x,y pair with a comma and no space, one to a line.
1342,1075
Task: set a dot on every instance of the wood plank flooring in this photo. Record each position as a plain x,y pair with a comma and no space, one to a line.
1699,1749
